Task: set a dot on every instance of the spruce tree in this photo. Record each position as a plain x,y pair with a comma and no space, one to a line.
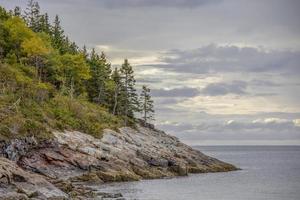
84,52
130,103
17,11
32,15
44,24
58,35
73,48
146,105
117,93
100,74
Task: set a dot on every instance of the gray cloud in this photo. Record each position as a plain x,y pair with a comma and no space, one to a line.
157,3
213,58
266,94
266,83
166,101
216,89
264,129
269,123
176,92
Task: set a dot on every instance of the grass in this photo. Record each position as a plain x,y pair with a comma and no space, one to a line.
29,108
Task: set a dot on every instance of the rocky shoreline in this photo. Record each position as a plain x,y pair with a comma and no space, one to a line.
60,169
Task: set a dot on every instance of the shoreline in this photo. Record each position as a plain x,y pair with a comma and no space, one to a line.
74,158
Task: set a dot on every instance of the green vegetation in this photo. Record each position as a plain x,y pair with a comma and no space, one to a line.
48,83
146,104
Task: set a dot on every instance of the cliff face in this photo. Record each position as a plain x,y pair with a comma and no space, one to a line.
74,157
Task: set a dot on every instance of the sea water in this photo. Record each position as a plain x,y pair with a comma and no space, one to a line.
268,173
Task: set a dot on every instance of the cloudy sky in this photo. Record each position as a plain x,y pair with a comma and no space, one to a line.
221,71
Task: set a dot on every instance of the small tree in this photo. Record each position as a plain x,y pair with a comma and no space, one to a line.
32,15
44,24
17,11
146,105
36,49
72,72
116,91
130,103
58,36
100,76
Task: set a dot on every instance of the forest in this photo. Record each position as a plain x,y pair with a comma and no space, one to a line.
49,83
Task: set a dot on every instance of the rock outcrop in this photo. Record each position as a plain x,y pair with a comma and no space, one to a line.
19,184
127,155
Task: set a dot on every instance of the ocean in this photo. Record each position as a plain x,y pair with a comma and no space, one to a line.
268,173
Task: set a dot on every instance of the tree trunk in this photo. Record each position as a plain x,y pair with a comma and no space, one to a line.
115,100
36,68
145,110
126,98
72,88
100,95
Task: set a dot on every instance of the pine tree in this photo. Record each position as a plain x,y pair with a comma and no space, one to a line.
32,16
3,33
17,11
146,105
73,48
130,103
44,24
100,74
84,52
58,35
116,92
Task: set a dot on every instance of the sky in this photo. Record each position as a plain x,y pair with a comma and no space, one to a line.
222,72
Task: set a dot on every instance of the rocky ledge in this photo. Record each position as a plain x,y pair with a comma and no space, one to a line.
60,169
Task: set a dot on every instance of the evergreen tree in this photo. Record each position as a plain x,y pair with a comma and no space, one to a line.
100,74
44,24
3,33
146,105
73,48
58,35
130,103
61,67
17,11
84,52
116,94
32,16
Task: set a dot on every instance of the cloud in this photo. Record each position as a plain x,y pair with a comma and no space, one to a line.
222,88
264,83
167,101
176,92
214,58
272,120
296,122
235,130
157,3
274,124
